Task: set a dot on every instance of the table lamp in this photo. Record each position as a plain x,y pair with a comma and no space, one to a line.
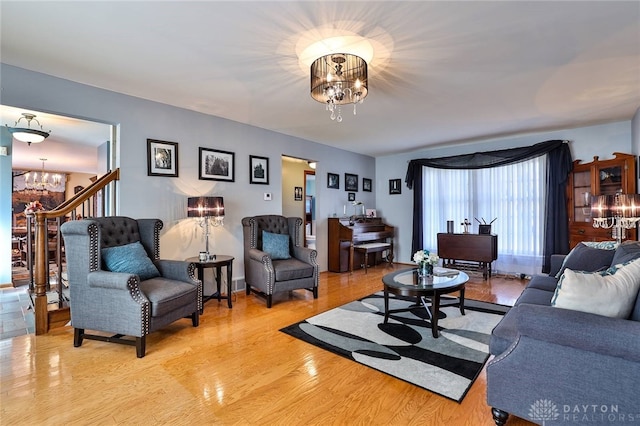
619,212
208,209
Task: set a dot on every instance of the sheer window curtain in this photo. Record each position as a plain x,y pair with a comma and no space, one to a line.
514,195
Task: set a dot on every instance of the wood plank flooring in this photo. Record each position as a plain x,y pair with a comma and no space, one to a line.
235,368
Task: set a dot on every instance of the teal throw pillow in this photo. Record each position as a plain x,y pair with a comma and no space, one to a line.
277,245
131,258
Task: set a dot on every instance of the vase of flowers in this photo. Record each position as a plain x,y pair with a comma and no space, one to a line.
32,207
425,262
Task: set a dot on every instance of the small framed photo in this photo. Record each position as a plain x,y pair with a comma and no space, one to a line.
372,213
333,180
350,182
352,196
297,193
216,165
259,169
162,158
395,186
366,185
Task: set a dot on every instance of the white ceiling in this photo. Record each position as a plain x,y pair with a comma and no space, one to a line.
442,72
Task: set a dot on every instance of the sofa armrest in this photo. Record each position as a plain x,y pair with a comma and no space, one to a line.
112,280
556,263
588,332
178,270
305,254
259,255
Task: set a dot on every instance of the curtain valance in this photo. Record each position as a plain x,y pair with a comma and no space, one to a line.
482,160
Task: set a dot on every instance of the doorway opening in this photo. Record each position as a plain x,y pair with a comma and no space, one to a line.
299,194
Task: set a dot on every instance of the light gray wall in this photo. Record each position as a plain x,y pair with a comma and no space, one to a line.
165,198
635,137
5,209
585,142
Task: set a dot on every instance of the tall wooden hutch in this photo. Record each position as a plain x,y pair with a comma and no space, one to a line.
606,177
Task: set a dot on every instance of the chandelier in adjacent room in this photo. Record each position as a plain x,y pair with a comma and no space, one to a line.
42,182
339,79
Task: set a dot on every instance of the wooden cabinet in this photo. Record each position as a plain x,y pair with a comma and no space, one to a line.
343,235
481,248
606,177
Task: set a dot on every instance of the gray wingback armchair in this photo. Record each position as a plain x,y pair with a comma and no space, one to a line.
122,302
268,276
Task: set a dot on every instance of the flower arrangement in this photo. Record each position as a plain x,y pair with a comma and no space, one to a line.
32,207
423,256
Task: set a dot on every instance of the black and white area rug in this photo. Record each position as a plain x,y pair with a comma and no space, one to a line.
404,347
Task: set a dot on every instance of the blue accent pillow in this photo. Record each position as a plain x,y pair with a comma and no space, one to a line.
131,258
277,245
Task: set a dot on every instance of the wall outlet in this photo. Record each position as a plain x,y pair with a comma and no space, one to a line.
267,196
4,151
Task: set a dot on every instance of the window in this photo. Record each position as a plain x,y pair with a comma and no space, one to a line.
514,195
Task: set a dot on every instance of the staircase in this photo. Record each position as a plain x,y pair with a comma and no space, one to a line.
92,201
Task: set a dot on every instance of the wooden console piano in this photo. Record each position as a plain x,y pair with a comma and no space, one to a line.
481,248
351,243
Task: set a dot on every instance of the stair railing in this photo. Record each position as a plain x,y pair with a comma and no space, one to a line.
89,200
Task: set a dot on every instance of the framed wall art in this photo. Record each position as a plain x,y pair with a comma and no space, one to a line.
333,180
297,193
352,196
216,165
366,185
395,186
162,158
350,182
259,169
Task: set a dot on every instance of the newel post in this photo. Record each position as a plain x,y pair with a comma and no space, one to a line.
40,267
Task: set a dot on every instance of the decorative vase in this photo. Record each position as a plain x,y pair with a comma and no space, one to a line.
425,269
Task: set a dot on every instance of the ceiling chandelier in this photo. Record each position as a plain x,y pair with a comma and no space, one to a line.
27,134
43,182
339,79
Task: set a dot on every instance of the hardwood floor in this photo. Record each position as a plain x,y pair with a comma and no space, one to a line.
235,368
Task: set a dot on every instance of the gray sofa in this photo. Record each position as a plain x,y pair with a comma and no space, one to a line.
560,366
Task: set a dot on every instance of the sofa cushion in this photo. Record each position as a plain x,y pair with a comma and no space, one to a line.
543,282
588,259
604,245
277,245
131,258
292,269
611,293
535,296
627,251
167,295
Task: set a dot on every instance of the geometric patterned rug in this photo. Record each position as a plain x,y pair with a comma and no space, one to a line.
404,347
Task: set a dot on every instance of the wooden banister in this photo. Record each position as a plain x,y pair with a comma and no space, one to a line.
41,247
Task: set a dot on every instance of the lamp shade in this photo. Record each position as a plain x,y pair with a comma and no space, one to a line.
205,207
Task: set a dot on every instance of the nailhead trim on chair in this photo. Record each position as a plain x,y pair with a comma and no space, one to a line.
156,239
192,274
94,250
136,295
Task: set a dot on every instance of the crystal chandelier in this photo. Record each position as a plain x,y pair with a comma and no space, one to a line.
43,182
339,79
27,134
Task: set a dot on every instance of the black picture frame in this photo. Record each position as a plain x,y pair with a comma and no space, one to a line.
218,165
352,196
366,184
395,186
333,180
297,193
350,182
162,158
258,170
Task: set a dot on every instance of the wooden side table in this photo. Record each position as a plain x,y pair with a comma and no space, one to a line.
218,262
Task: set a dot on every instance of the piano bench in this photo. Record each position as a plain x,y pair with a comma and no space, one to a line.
367,248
